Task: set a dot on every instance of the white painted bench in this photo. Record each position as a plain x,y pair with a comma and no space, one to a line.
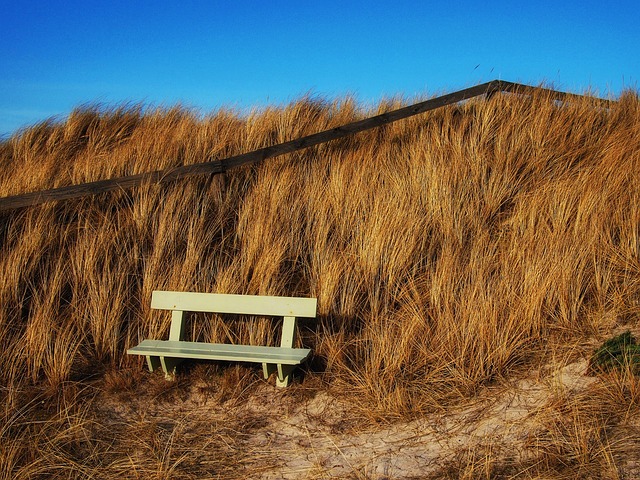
281,360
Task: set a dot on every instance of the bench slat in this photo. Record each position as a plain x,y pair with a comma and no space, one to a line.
216,351
235,304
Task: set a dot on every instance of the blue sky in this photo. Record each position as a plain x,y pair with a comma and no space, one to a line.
56,55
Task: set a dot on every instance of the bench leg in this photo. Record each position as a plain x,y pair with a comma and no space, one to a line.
175,333
169,366
287,340
284,375
268,369
153,363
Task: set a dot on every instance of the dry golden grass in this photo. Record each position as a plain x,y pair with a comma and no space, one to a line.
446,251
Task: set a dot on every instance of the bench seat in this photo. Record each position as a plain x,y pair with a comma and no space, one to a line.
218,351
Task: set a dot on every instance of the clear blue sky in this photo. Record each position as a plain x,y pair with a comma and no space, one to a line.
56,55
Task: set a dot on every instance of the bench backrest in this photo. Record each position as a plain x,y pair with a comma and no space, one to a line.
234,304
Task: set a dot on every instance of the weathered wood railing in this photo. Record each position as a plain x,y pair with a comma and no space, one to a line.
222,165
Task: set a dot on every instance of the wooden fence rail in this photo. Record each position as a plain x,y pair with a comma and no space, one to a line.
220,166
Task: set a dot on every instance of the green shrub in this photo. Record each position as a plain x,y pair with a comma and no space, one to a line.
617,352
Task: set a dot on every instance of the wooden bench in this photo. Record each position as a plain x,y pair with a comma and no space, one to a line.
281,360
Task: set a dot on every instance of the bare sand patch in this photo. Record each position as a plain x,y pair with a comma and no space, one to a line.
278,434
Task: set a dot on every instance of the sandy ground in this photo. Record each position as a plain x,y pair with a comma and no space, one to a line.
500,421
289,437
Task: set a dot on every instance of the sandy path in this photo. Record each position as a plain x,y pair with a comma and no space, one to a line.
282,436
